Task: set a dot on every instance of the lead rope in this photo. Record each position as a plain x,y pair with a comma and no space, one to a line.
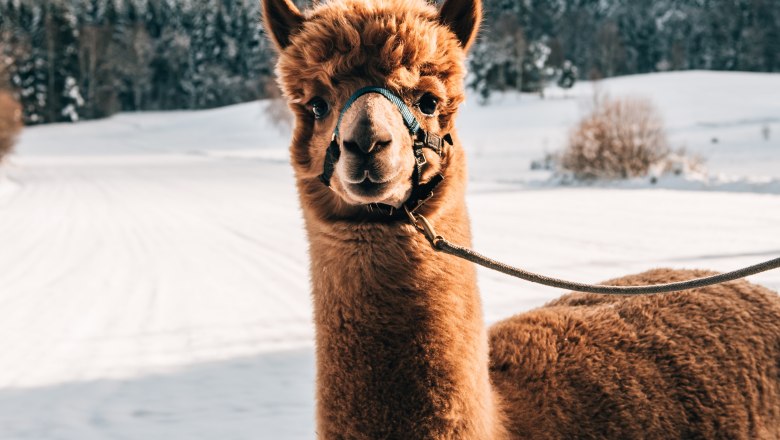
440,244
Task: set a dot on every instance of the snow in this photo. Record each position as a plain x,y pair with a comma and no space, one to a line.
698,107
154,269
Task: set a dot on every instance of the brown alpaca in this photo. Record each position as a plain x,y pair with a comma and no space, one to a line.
402,351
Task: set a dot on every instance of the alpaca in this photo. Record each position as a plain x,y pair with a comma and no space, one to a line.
401,348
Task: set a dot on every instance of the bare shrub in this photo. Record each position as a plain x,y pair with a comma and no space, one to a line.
10,123
619,139
682,163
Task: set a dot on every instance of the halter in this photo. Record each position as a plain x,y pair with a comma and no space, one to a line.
421,192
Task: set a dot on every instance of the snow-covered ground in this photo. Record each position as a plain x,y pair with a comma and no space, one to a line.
153,279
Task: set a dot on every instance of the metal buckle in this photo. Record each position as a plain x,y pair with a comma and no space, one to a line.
419,157
419,203
434,143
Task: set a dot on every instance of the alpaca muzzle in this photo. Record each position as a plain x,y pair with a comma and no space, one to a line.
421,192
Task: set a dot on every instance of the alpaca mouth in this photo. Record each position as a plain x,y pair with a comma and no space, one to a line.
368,188
366,177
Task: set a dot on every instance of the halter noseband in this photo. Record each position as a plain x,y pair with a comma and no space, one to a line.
421,192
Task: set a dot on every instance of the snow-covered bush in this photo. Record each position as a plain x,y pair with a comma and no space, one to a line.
682,163
568,75
620,139
10,123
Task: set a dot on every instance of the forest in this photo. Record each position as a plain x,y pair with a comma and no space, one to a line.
70,60
87,59
528,42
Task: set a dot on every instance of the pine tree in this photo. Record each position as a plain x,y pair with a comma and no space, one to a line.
62,41
32,67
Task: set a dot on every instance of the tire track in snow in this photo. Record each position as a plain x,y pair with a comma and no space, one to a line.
121,254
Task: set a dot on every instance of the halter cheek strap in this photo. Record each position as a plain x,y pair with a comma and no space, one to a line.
421,192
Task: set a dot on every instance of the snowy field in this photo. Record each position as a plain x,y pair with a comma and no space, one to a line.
153,269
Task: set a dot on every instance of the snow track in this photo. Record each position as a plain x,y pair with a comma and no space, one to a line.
143,299
148,261
154,286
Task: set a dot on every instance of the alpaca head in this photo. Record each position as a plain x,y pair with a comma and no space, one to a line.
329,52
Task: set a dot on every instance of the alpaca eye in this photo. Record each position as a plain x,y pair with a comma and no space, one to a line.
319,107
427,104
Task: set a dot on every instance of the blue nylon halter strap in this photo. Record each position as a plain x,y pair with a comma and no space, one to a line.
411,122
421,192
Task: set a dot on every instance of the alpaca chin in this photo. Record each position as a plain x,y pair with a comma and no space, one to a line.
384,193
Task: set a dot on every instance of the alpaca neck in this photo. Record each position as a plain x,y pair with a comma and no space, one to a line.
401,345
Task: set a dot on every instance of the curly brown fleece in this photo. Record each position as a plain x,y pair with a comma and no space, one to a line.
696,364
402,350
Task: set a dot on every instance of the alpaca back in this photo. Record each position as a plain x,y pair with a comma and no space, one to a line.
696,364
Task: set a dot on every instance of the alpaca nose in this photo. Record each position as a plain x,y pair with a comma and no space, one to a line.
365,148
367,139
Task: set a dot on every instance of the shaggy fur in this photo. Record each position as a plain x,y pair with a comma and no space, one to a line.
402,351
10,123
697,364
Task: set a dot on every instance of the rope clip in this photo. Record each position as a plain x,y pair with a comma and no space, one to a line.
423,225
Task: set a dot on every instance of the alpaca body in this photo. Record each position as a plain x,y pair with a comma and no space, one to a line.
402,351
695,364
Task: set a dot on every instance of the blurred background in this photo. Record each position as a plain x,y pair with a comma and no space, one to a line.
69,60
153,266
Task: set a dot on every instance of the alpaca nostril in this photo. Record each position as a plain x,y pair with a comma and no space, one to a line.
365,148
380,145
353,147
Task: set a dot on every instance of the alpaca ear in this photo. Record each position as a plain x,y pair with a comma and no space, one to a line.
282,19
463,17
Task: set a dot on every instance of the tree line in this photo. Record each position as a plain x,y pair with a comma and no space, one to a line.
529,42
83,59
67,60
